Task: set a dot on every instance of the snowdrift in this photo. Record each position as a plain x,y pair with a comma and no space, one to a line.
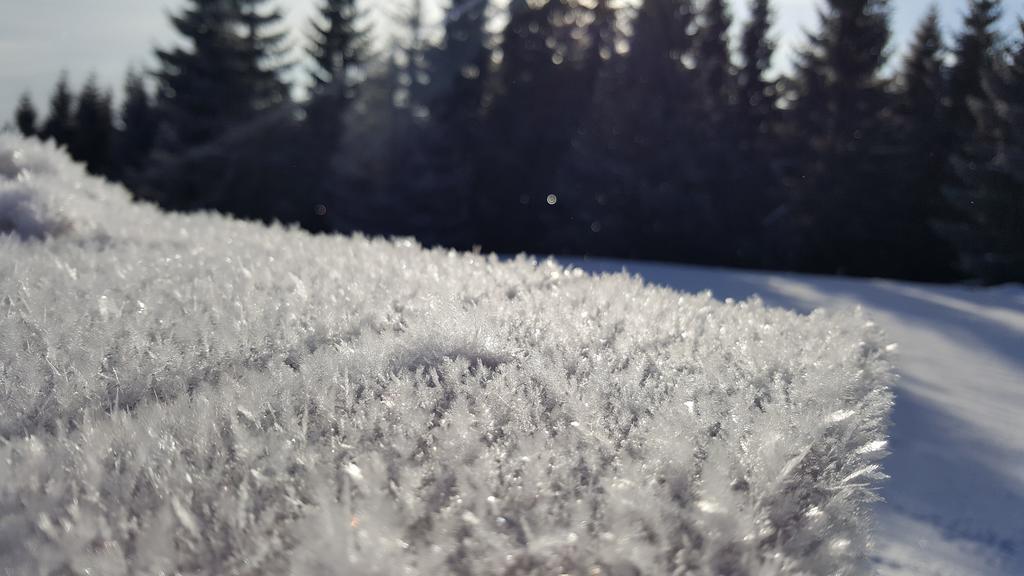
192,394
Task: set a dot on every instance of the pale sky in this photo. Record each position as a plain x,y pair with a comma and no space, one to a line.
39,38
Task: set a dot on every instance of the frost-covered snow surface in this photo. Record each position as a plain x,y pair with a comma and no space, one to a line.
199,396
191,394
955,503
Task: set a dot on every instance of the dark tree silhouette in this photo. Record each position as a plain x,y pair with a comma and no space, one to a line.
534,111
844,162
757,93
59,124
139,124
921,106
92,142
581,128
339,45
227,72
450,135
340,49
756,167
667,210
719,180
975,50
25,117
991,170
213,90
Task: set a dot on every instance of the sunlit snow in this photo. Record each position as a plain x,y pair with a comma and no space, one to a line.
192,394
955,502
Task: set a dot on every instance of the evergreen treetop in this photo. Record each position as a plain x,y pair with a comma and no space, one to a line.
59,124
339,42
712,53
229,70
975,49
920,110
843,160
94,130
25,116
139,124
757,94
991,170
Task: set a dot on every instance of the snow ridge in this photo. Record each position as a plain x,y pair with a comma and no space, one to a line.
192,394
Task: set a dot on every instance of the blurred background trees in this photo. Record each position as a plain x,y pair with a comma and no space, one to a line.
658,129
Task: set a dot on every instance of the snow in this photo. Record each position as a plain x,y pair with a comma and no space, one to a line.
192,394
955,502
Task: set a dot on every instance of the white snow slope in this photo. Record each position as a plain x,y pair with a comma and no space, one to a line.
195,395
955,502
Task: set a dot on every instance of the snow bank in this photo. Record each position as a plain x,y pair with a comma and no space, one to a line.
192,394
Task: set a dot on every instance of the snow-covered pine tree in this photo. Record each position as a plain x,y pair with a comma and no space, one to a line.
844,160
991,173
25,116
921,106
92,143
59,124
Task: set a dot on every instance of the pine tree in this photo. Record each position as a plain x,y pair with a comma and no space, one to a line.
921,108
226,79
991,171
227,73
757,93
975,49
339,46
536,111
842,181
25,116
93,137
265,54
717,92
713,61
757,119
583,222
450,139
139,125
658,136
59,124
460,66
340,50
410,59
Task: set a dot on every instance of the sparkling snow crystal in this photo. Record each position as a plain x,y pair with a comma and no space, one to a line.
192,394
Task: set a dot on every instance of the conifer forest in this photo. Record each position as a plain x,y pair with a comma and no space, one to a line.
656,130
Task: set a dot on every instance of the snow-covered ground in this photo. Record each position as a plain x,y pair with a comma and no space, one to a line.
186,389
955,502
193,394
